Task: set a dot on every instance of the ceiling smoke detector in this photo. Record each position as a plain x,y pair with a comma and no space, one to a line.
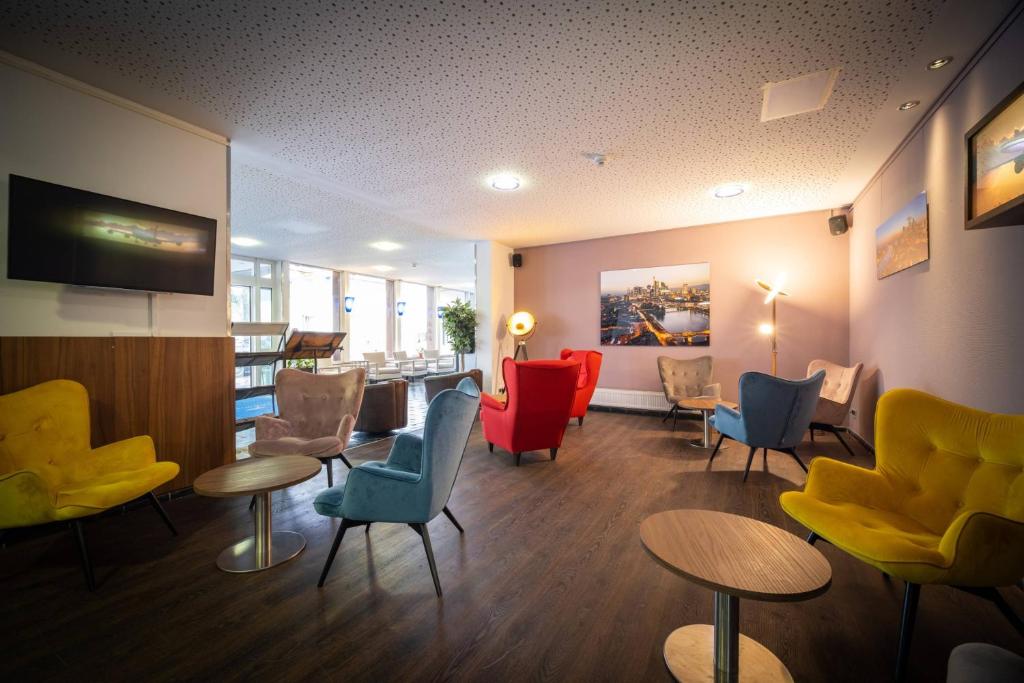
597,158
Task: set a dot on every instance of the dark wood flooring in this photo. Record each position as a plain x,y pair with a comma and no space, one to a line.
549,582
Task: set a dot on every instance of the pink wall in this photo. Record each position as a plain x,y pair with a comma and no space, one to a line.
953,325
559,285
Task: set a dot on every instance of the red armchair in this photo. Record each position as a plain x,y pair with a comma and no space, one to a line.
590,368
540,398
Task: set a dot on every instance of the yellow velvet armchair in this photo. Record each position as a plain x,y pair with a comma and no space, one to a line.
944,504
50,473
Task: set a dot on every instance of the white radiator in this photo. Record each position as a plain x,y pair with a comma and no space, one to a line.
629,398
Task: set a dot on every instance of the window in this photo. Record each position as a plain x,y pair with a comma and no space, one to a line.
311,298
412,324
253,298
368,321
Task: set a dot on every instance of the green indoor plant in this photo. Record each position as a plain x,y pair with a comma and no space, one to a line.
459,324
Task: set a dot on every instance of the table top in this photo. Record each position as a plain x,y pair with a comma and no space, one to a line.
704,403
736,555
256,475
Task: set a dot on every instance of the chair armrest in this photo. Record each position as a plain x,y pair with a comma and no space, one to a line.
840,482
984,549
25,499
382,471
712,390
270,427
406,452
129,454
345,429
491,403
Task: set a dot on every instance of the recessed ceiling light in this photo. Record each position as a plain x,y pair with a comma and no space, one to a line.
245,242
939,63
383,269
384,245
728,190
909,104
506,182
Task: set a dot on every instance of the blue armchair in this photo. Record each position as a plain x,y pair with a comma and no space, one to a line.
774,414
414,485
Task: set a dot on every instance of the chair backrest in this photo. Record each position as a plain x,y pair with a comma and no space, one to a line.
401,355
434,385
431,354
375,357
540,392
590,366
840,381
315,405
684,377
446,431
777,412
946,458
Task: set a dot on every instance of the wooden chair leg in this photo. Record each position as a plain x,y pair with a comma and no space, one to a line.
518,458
163,515
910,598
718,445
83,553
334,551
750,459
579,420
554,453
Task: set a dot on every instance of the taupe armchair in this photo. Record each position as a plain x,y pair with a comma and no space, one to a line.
835,399
686,378
318,415
378,367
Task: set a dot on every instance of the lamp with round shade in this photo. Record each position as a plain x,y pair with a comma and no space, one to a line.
521,325
771,330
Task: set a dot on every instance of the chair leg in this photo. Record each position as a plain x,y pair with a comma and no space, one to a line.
812,537
345,460
83,553
163,515
721,437
329,464
764,457
252,503
796,457
812,434
750,459
839,435
675,416
451,518
554,453
518,458
421,529
490,447
334,551
367,529
669,413
579,420
906,629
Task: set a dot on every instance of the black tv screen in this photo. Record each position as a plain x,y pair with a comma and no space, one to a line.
60,234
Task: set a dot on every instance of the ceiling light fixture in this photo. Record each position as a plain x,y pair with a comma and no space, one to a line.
383,269
939,63
729,190
506,182
384,245
909,104
245,242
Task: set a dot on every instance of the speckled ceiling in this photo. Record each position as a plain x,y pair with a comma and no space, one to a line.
410,105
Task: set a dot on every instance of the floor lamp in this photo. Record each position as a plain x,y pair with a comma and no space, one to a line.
771,329
521,325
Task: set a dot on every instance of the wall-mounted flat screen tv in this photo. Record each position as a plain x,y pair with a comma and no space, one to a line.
60,234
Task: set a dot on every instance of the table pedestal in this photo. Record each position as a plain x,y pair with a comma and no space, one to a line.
702,653
266,548
706,441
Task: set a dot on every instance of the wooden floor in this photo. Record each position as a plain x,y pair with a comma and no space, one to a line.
549,582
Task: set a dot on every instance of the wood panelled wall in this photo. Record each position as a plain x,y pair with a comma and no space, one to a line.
178,390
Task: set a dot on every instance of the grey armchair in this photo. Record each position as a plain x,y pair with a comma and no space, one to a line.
414,484
836,397
686,378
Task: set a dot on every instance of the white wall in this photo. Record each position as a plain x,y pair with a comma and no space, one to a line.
953,325
53,132
495,292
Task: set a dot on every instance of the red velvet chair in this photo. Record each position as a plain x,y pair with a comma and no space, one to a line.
540,398
590,368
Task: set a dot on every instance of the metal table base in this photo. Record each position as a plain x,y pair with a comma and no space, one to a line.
266,548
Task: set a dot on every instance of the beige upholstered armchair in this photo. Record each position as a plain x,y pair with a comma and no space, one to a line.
835,399
686,378
318,414
378,367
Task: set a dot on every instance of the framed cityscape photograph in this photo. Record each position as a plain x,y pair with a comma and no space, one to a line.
660,306
995,166
902,240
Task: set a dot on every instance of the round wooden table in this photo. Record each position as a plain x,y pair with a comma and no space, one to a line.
706,406
736,557
258,477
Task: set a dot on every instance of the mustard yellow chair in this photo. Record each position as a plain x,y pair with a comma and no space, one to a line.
50,473
944,504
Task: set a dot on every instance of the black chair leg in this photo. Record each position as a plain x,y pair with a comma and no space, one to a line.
906,629
329,464
554,453
451,518
252,503
812,434
345,460
675,416
764,457
721,437
579,420
668,413
812,537
796,457
490,447
334,551
367,529
839,435
83,552
421,529
163,515
518,458
750,459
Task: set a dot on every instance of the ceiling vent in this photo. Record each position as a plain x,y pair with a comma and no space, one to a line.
798,95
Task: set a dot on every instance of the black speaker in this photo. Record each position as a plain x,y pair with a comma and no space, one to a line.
517,260
837,225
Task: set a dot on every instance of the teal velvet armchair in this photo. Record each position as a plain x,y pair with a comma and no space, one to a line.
414,484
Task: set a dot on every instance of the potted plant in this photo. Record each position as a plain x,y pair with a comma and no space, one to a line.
459,325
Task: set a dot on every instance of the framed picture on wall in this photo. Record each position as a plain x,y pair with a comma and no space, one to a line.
661,306
902,240
995,166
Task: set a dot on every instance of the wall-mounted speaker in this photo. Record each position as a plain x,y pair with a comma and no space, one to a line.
517,260
837,225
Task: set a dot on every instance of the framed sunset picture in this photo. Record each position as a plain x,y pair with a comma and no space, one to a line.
902,240
995,166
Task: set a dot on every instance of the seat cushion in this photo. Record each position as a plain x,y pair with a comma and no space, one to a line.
324,447
110,489
984,663
328,502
